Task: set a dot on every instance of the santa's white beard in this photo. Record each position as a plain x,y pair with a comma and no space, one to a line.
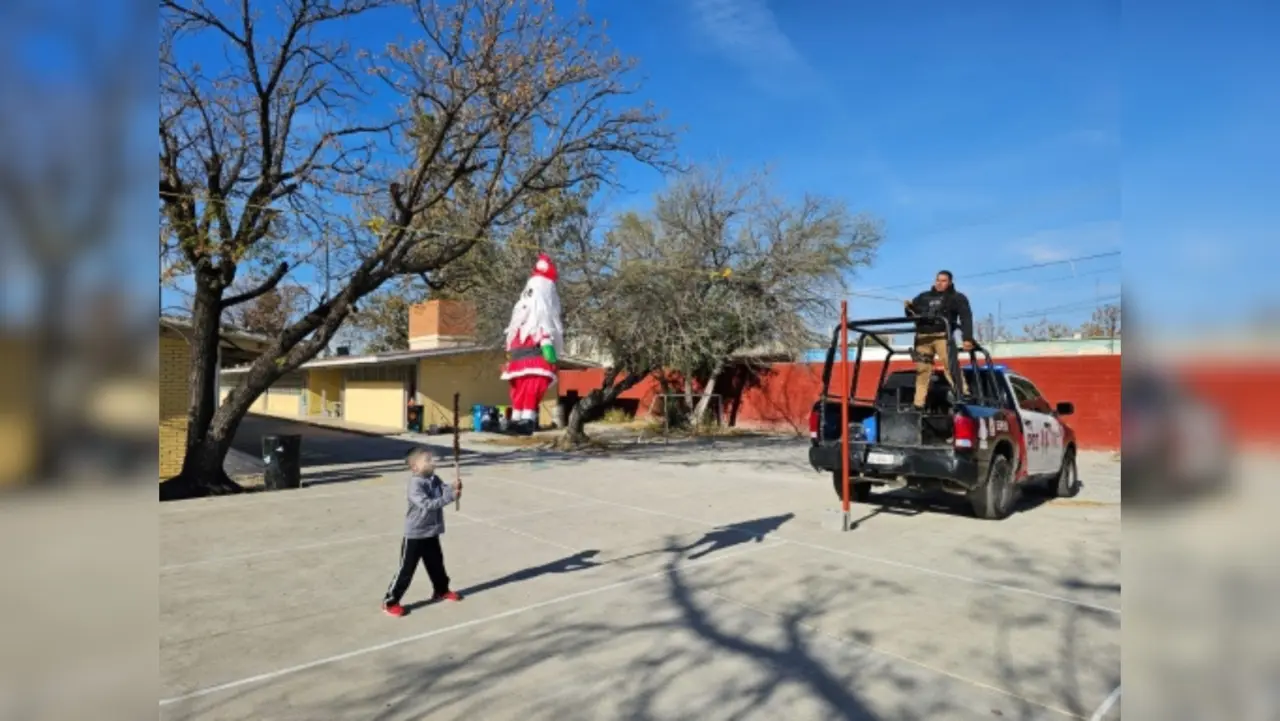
537,314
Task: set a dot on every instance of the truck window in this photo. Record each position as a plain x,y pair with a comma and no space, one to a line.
1028,395
991,385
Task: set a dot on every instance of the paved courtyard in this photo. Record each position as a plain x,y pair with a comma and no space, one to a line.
665,583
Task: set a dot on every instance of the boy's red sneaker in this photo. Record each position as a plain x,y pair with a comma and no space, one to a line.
393,609
450,596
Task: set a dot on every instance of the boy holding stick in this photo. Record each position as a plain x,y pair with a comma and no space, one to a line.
423,524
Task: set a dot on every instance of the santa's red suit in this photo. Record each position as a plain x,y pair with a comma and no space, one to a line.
533,340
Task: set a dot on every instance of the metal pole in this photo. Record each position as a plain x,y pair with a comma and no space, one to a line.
457,452
844,408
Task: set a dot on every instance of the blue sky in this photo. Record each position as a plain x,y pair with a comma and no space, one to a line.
986,136
991,135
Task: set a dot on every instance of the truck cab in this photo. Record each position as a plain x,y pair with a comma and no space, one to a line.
986,446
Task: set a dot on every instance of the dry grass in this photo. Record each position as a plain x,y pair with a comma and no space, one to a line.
543,440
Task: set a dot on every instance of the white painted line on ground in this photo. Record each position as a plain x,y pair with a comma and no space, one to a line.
517,532
859,556
469,520
889,654
301,494
276,551
455,627
1110,701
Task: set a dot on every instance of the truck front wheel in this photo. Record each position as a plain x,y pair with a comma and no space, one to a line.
995,499
858,492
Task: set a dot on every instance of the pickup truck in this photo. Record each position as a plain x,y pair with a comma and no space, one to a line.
999,438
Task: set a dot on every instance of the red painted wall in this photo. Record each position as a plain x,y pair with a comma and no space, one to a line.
782,396
1246,393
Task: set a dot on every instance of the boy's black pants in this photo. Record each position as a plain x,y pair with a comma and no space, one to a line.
411,551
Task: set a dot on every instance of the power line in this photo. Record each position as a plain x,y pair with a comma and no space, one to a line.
1066,308
1060,279
1015,269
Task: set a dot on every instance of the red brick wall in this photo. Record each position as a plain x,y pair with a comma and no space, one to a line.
782,396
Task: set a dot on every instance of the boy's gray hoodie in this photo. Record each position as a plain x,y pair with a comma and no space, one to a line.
427,498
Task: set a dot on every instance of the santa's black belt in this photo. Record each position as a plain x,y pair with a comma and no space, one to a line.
524,353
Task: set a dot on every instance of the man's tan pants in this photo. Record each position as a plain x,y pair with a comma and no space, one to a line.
927,347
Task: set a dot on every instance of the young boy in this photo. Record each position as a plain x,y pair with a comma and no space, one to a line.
423,524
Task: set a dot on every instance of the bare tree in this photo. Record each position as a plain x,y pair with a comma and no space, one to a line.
382,321
1043,329
720,266
1105,322
267,314
502,99
987,330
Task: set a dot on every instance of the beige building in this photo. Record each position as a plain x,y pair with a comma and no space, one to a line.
377,390
235,348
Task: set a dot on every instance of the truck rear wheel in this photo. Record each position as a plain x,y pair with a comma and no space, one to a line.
858,492
994,499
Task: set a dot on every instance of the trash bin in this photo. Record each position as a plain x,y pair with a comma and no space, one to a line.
283,458
414,416
477,417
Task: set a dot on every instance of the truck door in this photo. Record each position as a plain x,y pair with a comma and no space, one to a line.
1041,427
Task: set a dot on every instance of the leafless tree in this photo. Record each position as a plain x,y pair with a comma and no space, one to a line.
718,267
267,314
1105,322
1044,329
501,100
987,330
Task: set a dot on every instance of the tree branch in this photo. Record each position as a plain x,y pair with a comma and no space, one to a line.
266,287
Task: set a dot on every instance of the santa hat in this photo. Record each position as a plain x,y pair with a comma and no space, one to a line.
544,268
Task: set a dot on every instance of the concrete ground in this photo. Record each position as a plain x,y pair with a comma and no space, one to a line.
691,581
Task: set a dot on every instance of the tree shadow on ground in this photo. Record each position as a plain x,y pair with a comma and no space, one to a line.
720,641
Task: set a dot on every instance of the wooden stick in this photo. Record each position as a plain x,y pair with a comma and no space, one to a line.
457,451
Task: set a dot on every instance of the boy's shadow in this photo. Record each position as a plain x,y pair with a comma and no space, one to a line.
733,534
577,562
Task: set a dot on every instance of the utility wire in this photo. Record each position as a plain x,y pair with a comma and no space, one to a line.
1068,307
1060,279
1014,269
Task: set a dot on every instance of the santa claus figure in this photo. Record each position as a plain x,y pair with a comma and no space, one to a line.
535,338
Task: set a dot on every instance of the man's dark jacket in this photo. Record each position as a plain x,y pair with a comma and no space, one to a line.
950,304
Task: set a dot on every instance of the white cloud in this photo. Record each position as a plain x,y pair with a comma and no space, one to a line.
1048,246
747,33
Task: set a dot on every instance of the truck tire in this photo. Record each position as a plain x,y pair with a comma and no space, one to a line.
858,492
1067,483
995,499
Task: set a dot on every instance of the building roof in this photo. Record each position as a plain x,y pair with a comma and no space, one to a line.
409,356
229,334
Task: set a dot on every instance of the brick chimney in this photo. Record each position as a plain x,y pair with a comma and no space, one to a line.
441,324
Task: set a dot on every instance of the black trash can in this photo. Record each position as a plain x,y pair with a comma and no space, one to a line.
283,456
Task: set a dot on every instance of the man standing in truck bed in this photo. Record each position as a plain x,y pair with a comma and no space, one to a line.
942,301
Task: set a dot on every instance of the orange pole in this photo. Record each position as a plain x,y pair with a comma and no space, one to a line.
844,405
